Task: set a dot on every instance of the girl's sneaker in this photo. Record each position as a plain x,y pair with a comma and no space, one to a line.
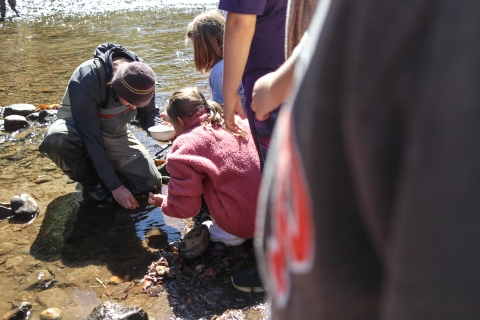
219,235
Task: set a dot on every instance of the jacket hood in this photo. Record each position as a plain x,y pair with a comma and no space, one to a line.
105,52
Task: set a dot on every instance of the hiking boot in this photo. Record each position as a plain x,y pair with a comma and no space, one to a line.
248,281
99,193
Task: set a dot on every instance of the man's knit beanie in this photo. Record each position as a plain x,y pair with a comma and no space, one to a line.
134,82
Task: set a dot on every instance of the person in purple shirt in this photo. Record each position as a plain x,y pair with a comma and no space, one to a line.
253,46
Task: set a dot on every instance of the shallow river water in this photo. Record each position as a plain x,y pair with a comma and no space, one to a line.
80,245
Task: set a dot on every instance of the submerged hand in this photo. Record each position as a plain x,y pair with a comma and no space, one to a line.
155,199
125,198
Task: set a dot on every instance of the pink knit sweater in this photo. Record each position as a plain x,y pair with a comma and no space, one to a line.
220,166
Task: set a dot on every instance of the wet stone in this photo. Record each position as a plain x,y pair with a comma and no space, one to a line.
39,278
47,116
162,270
194,243
42,179
24,206
11,262
109,311
21,313
51,314
51,167
6,247
21,109
14,122
5,211
51,297
32,116
115,280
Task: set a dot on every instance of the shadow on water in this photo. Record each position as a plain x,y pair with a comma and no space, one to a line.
81,233
127,242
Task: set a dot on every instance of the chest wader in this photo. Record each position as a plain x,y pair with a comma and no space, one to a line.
135,167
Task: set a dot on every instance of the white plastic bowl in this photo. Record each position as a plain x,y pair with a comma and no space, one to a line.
162,132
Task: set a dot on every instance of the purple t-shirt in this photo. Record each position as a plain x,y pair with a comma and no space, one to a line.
268,45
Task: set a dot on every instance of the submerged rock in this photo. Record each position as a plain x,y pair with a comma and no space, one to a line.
194,243
22,313
20,109
110,311
24,206
14,122
5,211
47,115
51,314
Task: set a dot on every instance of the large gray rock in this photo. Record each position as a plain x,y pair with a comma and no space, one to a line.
110,311
24,206
21,109
15,122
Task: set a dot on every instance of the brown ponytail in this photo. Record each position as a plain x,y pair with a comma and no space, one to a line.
187,101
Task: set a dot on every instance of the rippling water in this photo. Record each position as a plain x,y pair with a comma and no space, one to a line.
41,49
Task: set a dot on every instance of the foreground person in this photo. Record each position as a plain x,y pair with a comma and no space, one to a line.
375,161
89,140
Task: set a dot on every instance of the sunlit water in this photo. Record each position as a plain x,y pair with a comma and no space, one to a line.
39,51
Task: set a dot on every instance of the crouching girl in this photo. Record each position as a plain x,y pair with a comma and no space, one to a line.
208,162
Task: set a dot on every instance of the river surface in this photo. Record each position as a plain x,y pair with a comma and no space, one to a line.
81,246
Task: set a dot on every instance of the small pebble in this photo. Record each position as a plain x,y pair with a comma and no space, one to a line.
162,271
51,314
199,268
115,280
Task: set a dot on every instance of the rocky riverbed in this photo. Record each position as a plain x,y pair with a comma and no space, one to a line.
76,256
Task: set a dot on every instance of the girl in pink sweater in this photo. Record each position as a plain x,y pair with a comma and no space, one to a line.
208,161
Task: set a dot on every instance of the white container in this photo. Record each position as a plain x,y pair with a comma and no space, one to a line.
162,132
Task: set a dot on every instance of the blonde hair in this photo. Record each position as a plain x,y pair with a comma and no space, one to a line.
186,102
206,33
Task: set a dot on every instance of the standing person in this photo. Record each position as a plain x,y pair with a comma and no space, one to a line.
3,8
206,33
274,88
208,162
379,169
253,47
90,142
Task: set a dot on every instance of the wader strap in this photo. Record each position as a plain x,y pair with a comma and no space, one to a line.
112,112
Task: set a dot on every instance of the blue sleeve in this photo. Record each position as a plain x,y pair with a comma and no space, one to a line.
215,81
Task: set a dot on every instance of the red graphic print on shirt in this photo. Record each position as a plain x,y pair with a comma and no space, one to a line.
290,247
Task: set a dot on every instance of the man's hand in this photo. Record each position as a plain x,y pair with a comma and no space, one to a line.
125,198
155,199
